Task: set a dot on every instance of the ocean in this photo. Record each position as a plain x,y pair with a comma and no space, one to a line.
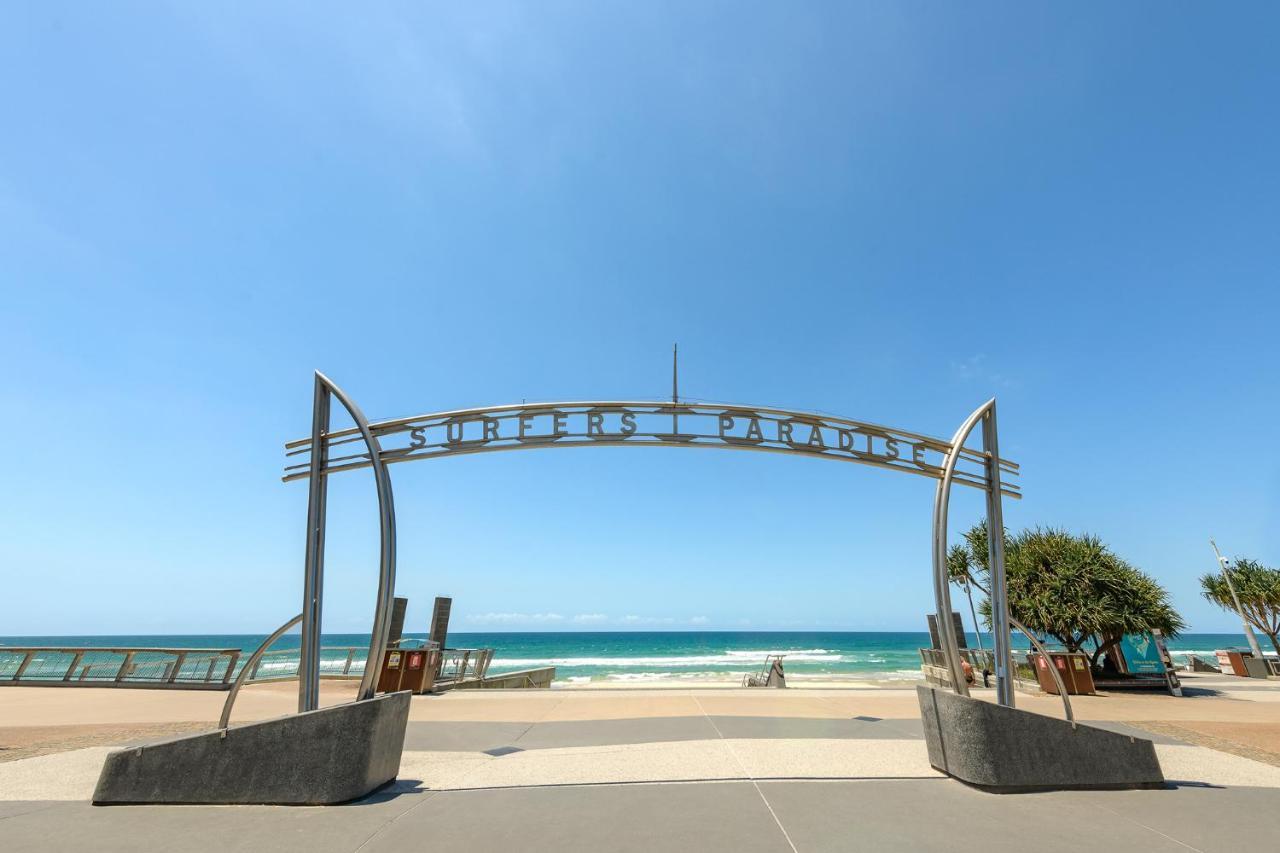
635,656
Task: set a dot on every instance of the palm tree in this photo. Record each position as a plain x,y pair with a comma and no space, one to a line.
1072,588
1258,588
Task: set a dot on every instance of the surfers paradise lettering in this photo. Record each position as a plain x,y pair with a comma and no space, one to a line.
652,424
680,425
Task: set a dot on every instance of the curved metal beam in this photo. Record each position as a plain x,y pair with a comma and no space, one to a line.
655,406
941,582
1035,643
1053,670
248,668
387,530
580,424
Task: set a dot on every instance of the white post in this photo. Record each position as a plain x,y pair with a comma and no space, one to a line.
1248,629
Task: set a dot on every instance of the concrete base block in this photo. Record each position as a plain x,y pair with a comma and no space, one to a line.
321,757
1005,750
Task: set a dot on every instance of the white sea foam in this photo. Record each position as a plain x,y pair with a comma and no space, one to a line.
750,657
665,676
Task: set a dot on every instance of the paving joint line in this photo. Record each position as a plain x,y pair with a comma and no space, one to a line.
435,794
786,835
541,719
1149,828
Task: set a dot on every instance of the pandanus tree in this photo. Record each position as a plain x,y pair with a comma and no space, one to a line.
1258,588
1072,588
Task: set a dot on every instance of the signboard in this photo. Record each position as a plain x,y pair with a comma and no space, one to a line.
640,424
1142,654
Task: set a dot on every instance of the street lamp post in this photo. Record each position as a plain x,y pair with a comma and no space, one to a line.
1248,629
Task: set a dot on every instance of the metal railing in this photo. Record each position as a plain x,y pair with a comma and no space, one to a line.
85,666
761,678
464,664
335,662
206,669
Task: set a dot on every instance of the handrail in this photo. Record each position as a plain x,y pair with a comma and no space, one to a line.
248,668
1053,670
117,666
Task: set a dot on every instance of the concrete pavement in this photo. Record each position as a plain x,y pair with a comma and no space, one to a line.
687,770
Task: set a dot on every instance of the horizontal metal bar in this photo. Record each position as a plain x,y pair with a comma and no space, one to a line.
119,650
391,459
644,407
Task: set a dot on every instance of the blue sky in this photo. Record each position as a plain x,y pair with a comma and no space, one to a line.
885,211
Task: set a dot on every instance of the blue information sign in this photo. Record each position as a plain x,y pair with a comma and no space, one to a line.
1142,654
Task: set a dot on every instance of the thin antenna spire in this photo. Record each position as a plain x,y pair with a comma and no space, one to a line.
675,374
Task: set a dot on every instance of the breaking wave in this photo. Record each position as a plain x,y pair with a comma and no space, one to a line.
749,658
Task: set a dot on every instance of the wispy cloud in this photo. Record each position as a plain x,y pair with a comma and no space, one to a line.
648,620
591,618
977,369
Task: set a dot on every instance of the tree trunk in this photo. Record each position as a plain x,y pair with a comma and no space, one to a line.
1102,649
1275,640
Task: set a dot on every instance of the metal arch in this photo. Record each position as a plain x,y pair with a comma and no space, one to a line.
248,668
659,406
1000,618
319,469
387,531
309,664
941,582
901,447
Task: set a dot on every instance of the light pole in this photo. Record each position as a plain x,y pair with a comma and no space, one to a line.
1248,629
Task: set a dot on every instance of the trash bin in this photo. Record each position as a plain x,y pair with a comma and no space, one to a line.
1235,662
1073,669
408,669
1256,667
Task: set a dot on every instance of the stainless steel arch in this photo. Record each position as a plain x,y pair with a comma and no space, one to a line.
529,426
828,437
309,663
986,414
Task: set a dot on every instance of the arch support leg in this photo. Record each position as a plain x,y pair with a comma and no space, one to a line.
995,559
313,572
313,567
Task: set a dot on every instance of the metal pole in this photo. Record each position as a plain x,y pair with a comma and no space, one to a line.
941,580
973,611
1000,639
387,531
675,389
1248,629
313,571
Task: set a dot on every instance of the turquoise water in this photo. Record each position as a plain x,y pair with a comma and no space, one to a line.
618,657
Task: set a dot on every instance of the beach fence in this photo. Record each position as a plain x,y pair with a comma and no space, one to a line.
62,666
200,669
187,669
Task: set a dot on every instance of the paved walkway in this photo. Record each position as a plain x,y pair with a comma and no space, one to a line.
694,770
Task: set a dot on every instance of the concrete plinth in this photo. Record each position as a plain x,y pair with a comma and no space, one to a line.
1006,750
321,757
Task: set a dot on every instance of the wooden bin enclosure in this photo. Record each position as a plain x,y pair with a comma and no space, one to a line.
1072,667
408,669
